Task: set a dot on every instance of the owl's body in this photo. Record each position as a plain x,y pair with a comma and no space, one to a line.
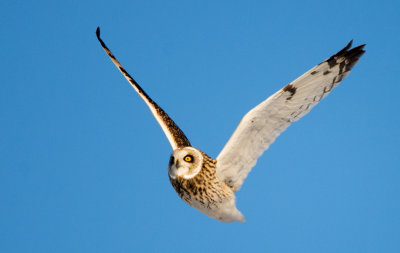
209,185
204,190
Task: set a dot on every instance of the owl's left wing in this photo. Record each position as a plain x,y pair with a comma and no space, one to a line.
263,124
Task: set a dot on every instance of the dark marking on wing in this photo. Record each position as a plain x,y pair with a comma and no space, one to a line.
317,98
326,72
332,61
123,71
346,58
314,72
290,88
341,67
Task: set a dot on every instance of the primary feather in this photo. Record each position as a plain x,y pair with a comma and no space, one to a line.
263,124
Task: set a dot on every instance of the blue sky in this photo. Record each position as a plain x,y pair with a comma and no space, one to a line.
83,164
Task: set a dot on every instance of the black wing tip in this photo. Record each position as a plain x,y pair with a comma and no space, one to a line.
345,51
359,48
99,39
98,32
354,51
351,55
349,44
354,54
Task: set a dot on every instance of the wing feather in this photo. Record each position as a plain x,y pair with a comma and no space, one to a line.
174,134
259,128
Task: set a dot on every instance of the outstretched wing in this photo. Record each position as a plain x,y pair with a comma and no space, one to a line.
260,126
174,134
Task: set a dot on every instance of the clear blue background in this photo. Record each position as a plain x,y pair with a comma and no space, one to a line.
83,164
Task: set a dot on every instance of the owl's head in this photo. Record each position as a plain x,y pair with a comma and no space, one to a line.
185,162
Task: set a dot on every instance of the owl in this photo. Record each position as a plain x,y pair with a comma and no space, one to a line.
209,185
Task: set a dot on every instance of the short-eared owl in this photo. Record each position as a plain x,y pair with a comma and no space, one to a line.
209,185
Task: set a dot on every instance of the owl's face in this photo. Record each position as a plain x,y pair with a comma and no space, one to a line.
185,162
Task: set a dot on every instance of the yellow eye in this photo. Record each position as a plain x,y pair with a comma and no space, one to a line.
188,158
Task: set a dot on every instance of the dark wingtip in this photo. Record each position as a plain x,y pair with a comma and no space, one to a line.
98,32
349,44
358,50
360,47
345,49
352,55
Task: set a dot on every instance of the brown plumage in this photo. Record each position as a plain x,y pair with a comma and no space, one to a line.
197,183
204,188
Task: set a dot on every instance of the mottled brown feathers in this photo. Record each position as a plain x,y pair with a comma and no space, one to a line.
205,188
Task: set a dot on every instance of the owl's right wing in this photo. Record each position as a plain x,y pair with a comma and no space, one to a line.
260,127
174,134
